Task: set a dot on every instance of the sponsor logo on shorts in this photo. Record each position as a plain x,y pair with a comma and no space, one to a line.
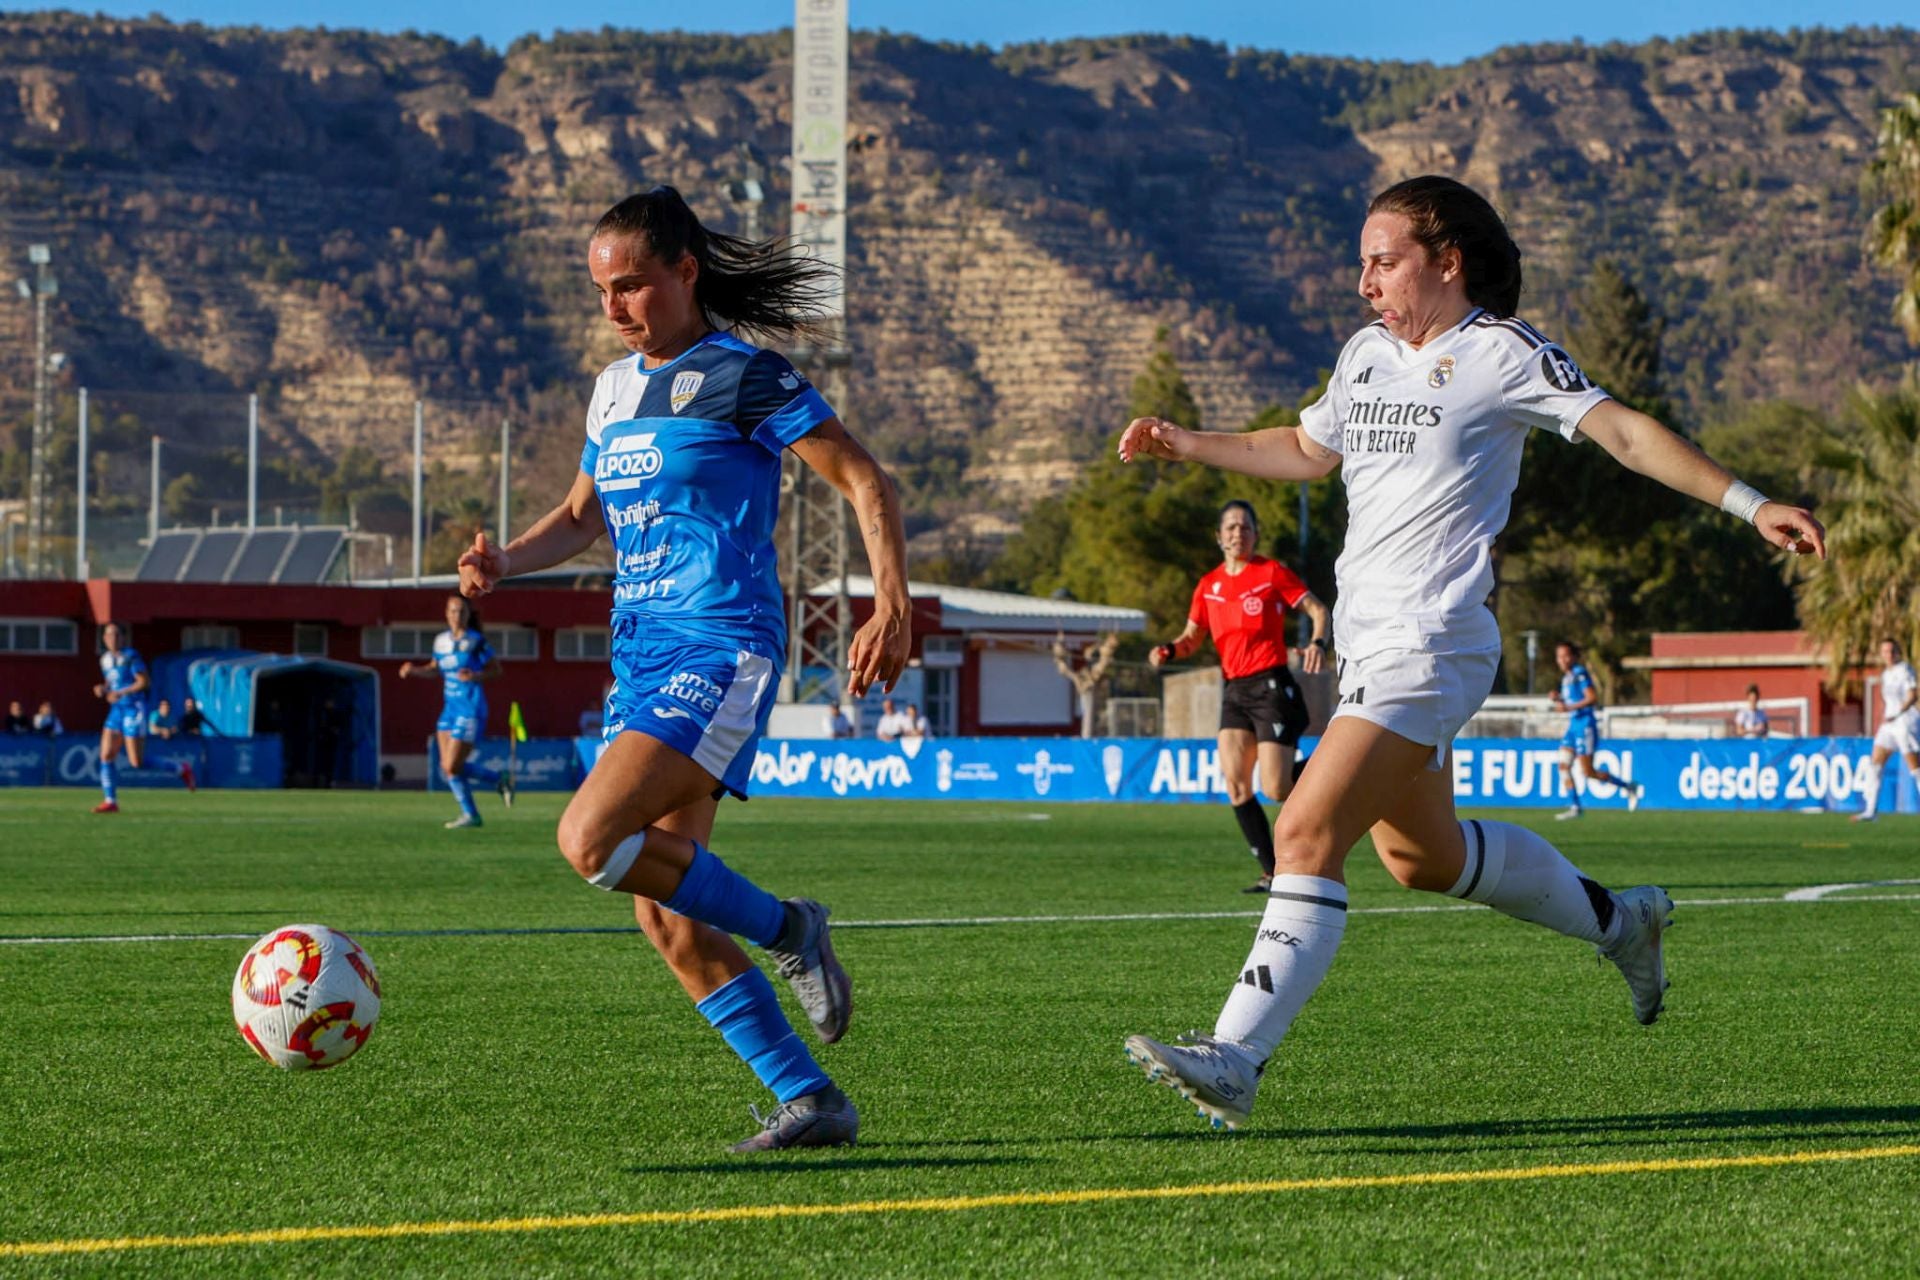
673,713
695,690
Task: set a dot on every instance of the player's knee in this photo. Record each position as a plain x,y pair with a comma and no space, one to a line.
1303,845
585,843
1238,792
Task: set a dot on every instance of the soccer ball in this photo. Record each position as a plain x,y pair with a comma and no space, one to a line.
306,997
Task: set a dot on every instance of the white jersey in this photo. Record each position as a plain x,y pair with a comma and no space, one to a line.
1896,682
1430,442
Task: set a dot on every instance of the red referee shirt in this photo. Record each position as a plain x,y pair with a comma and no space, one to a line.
1246,614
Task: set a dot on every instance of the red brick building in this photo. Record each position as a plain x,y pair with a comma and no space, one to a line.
1717,666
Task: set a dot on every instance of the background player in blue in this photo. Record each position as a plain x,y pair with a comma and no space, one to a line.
1580,698
462,659
124,685
682,470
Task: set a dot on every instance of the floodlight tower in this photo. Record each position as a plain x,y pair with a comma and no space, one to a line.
817,535
39,290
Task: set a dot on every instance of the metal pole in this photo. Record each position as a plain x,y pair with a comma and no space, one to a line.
42,433
503,527
794,481
153,495
253,461
80,470
419,425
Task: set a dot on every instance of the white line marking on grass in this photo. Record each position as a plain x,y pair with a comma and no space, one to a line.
938,922
1817,892
944,1204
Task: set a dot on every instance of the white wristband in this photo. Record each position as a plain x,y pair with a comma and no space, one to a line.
1742,500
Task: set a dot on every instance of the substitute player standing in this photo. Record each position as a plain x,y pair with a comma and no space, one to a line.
1426,416
682,470
1579,697
1243,606
464,662
124,686
1899,724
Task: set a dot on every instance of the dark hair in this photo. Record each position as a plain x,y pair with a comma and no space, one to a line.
1448,214
1753,690
1897,646
1568,645
1241,504
473,614
762,287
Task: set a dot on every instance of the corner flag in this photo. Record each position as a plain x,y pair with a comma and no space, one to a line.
514,722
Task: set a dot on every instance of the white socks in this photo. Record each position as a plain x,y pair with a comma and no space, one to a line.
1291,954
1873,789
1516,872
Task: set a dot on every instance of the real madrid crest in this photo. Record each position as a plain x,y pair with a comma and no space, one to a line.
1440,376
687,385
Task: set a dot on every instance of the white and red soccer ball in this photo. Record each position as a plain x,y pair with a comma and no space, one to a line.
306,997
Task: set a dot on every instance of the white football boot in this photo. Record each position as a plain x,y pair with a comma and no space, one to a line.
1647,914
1215,1076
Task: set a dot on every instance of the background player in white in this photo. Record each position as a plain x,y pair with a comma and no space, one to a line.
1751,720
1579,697
463,662
1426,415
681,469
1899,724
124,685
1242,605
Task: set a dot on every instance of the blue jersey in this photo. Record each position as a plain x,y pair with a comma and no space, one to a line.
1575,685
122,670
470,652
685,459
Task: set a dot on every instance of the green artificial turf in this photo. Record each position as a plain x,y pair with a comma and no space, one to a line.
517,1075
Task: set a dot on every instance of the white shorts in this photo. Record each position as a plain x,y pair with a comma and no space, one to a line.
1424,697
1899,736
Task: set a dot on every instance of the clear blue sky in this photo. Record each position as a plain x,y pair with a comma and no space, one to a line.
1407,29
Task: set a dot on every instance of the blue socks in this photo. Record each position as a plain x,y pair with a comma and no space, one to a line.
747,1014
457,784
727,900
108,773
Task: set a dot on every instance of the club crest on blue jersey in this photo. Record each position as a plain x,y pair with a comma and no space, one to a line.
685,387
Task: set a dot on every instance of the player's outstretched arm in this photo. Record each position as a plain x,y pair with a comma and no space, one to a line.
1640,443
1277,453
561,534
879,650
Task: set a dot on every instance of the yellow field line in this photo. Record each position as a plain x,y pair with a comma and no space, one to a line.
944,1204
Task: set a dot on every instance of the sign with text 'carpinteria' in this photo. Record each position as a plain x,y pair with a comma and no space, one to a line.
819,226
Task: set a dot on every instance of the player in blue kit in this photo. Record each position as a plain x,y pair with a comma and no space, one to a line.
463,660
681,469
124,685
1580,698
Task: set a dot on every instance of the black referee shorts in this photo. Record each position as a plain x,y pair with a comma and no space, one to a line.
1267,704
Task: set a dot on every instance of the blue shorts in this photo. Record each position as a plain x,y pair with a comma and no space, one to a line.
1582,737
709,703
128,717
466,721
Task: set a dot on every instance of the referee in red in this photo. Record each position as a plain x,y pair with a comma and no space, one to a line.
1243,606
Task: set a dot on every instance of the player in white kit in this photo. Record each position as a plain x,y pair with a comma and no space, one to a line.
1899,724
1426,415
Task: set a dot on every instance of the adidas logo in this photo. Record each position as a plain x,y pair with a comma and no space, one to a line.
1364,376
1259,976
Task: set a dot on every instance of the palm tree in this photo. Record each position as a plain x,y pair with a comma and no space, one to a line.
1870,588
1893,236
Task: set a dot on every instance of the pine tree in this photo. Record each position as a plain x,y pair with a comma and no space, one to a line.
1160,390
1893,236
1617,341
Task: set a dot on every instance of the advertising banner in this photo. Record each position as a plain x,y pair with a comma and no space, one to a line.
73,760
544,764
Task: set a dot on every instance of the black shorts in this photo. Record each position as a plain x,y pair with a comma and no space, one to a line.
1267,704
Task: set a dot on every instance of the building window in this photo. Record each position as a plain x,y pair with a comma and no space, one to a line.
514,644
310,639
209,636
398,642
943,651
38,635
581,644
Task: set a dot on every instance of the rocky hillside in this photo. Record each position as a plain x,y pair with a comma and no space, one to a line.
342,221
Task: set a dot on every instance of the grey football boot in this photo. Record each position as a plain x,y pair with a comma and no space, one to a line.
823,1119
805,959
1215,1076
1637,953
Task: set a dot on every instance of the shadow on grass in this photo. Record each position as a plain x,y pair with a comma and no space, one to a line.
799,1161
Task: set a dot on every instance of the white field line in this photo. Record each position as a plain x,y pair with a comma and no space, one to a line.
957,922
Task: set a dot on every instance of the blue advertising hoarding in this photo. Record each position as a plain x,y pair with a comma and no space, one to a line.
541,764
73,760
